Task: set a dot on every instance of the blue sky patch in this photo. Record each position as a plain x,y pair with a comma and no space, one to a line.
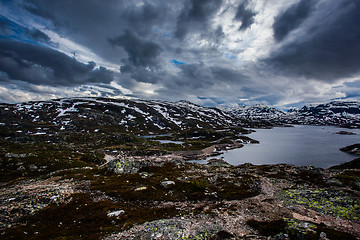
230,56
176,62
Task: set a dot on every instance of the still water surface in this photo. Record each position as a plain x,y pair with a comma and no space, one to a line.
300,145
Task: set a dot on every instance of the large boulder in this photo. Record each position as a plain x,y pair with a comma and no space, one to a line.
131,165
126,165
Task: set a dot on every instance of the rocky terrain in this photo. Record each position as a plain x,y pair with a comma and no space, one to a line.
165,197
95,168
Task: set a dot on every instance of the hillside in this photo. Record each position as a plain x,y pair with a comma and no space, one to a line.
100,114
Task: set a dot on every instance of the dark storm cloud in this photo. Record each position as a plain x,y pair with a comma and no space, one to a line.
142,63
141,74
228,75
195,76
110,14
10,29
141,18
200,79
44,66
41,10
245,15
313,39
192,79
141,52
200,76
5,25
331,48
67,16
195,16
92,22
292,18
38,35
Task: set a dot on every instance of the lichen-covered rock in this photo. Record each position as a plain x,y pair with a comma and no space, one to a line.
145,174
140,189
125,165
131,165
336,203
28,197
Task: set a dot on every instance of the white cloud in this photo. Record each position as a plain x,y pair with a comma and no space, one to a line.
146,89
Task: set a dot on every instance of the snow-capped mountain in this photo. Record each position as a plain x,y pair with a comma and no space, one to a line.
110,114
135,115
337,113
346,114
256,112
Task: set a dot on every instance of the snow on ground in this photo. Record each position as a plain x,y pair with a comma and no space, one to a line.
164,112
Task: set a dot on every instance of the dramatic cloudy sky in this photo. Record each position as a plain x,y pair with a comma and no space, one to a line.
279,52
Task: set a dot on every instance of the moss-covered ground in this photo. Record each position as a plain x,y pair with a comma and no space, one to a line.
331,202
295,229
84,218
141,196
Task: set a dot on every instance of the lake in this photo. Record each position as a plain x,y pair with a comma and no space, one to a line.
300,145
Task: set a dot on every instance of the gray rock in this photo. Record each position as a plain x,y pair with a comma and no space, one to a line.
140,189
167,184
21,169
116,213
216,162
145,174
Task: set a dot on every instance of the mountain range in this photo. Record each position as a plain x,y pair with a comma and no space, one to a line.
144,116
337,113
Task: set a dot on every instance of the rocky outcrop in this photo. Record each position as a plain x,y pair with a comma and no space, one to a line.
353,149
132,164
345,133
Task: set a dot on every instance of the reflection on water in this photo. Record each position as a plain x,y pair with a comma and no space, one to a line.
169,141
301,145
153,136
